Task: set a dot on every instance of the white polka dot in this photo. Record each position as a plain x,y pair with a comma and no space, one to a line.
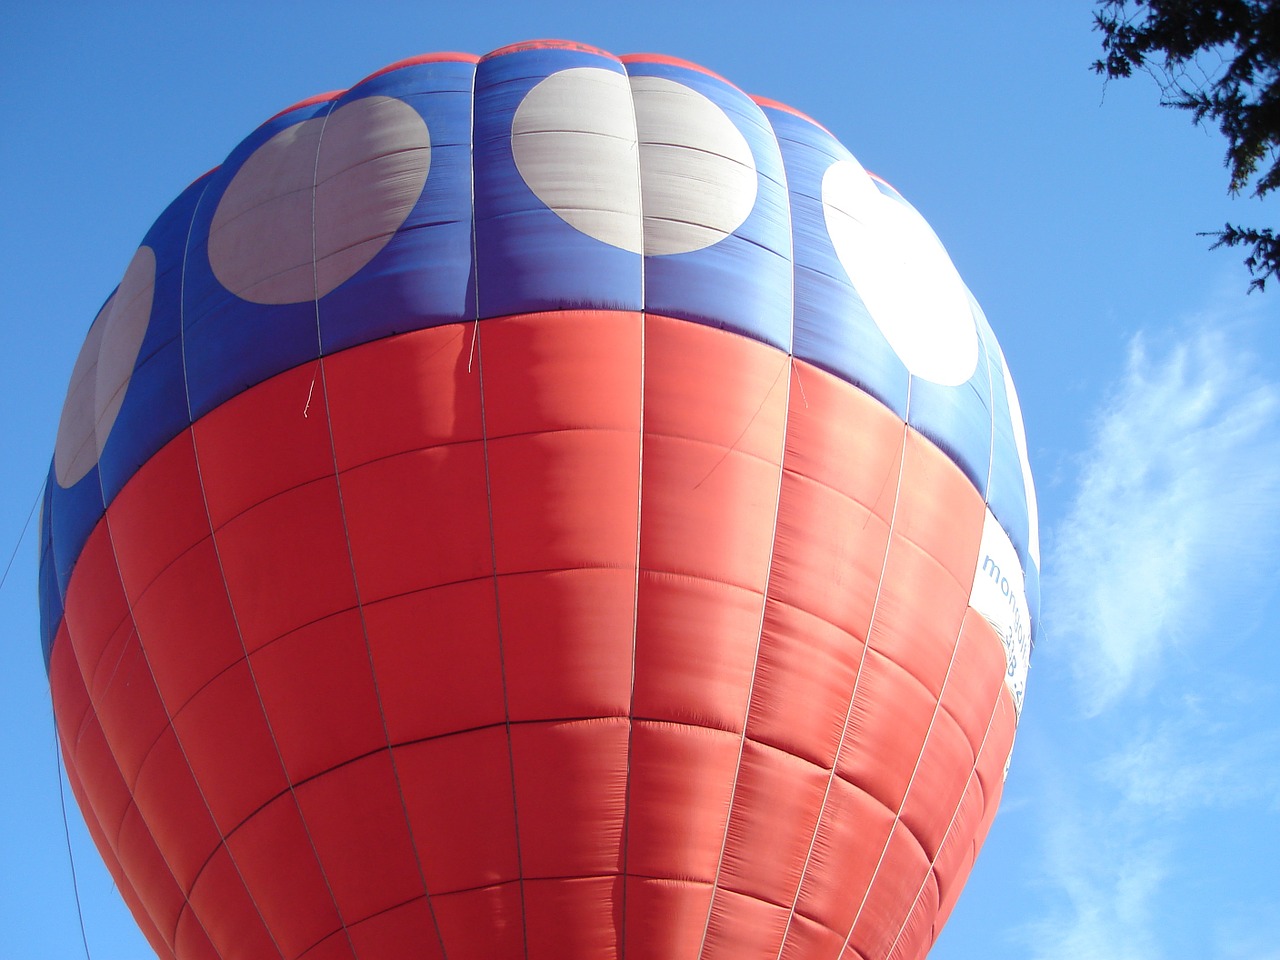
1020,441
698,177
372,163
903,275
647,165
573,138
103,370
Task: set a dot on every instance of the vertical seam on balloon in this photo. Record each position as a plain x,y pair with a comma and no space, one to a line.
793,370
635,586
764,604
773,545
973,771
235,617
906,794
857,679
493,543
355,579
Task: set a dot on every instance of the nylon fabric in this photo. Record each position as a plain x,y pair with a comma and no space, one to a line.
636,620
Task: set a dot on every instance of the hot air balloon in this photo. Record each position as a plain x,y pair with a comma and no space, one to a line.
542,505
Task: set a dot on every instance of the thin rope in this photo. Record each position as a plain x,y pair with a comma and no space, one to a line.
66,833
21,536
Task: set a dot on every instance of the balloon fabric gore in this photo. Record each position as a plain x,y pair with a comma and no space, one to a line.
543,505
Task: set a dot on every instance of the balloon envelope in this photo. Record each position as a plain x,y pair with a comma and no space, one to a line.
545,505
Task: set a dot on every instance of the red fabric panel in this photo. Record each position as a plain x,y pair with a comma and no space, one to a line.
71,707
852,833
457,791
187,626
191,940
715,407
482,924
317,689
977,677
695,650
564,499
263,441
74,717
566,642
829,555
708,512
951,866
898,880
286,562
356,819
573,917
174,810
566,370
409,929
158,515
913,937
408,392
742,926
800,697
887,728
918,635
807,939
937,532
129,707
437,661
227,913
996,748
96,770
775,808
681,781
227,741
570,796
273,852
665,919
843,458
148,873
938,783
939,509
96,606
418,519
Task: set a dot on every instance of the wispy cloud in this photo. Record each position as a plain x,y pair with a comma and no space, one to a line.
1106,882
1176,499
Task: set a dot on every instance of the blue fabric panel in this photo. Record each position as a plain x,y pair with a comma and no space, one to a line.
1007,491
742,283
154,410
50,597
423,277
232,344
958,419
527,258
75,510
833,330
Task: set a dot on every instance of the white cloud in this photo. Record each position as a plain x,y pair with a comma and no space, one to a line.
1176,502
1106,883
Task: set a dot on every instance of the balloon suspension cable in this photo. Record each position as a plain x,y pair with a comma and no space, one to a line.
21,536
66,833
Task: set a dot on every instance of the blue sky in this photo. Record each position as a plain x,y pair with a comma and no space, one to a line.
1142,811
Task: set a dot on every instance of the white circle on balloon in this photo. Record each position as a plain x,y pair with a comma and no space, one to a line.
103,370
314,204
645,164
903,275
